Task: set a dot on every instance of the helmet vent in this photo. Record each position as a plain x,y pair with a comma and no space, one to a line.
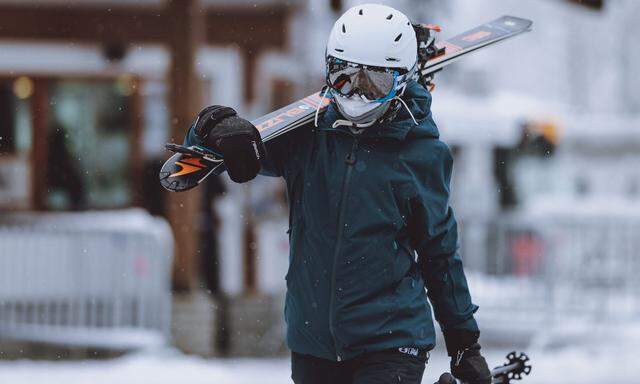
344,29
398,37
361,12
339,50
392,59
390,16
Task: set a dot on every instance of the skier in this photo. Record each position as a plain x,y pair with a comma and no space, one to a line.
370,223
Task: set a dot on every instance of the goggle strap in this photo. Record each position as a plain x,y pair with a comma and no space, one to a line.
408,110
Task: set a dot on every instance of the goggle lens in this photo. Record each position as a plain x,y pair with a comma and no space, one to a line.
370,83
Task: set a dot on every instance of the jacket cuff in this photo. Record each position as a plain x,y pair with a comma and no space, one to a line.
191,139
468,325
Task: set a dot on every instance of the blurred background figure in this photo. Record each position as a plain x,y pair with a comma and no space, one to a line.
97,261
62,172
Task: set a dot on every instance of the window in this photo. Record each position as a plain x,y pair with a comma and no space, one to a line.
89,145
15,115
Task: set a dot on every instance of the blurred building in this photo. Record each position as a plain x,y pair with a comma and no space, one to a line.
91,90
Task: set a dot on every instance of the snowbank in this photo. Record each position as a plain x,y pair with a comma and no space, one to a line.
611,362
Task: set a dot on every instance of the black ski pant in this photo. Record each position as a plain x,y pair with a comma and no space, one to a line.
383,367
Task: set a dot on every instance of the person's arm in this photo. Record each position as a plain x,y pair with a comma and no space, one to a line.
279,151
435,237
434,232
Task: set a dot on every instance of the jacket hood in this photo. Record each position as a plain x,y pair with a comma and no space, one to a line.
418,100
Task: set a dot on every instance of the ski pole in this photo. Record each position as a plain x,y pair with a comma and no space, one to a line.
513,369
505,369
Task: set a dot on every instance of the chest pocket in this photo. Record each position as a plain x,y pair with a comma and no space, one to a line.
405,194
295,185
409,215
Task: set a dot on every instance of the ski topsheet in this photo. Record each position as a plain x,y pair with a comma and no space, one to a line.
479,37
180,173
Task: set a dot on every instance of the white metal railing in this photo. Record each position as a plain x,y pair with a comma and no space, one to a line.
91,278
552,269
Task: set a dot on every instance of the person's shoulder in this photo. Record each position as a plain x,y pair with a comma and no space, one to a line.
426,151
297,135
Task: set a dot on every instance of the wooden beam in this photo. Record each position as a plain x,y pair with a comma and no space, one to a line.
248,27
262,26
83,24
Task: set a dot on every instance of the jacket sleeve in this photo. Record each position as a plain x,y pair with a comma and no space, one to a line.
433,230
278,150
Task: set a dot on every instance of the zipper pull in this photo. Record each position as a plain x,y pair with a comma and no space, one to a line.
351,157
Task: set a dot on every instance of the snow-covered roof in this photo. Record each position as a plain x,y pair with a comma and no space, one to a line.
84,59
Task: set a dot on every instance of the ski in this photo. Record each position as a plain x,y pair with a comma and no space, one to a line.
479,37
188,167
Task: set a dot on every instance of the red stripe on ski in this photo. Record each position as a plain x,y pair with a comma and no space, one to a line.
283,116
313,100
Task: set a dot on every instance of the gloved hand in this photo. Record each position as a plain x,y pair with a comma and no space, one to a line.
236,139
467,364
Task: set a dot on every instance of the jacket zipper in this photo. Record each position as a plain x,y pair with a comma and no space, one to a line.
350,160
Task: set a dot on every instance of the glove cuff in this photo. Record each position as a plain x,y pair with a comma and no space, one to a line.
458,340
209,117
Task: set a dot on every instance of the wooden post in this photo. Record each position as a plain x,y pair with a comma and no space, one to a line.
249,56
187,27
136,156
40,146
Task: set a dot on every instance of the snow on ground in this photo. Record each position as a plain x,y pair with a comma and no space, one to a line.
577,365
160,367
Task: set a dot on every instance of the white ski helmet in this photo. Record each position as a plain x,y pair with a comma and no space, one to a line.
376,35
371,55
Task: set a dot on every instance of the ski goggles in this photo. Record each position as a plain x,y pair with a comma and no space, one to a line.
373,83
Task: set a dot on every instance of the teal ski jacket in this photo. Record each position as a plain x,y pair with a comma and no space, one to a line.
370,229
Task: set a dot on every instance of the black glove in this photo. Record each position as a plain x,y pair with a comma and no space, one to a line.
238,141
467,364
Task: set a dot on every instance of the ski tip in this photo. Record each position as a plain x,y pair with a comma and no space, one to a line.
183,172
